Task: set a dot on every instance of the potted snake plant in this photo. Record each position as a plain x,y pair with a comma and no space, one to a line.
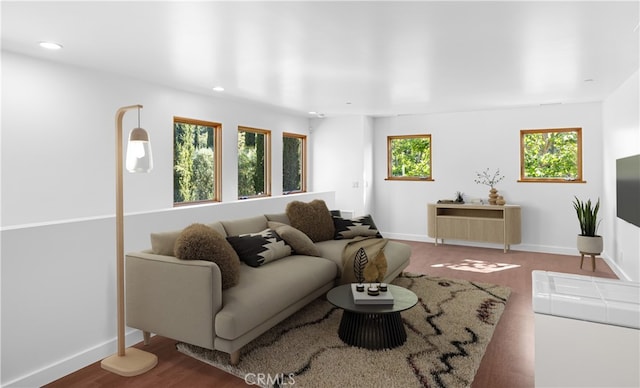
588,241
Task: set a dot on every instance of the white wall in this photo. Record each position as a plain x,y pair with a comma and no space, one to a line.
367,176
341,159
58,134
621,138
58,203
464,143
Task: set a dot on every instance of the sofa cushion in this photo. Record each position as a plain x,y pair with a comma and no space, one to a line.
300,242
201,242
256,249
359,226
163,243
278,217
245,225
266,291
313,219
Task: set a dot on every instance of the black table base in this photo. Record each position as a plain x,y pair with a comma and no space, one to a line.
371,330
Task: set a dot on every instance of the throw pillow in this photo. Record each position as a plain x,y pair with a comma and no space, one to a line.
164,243
377,269
313,219
300,242
200,242
359,226
256,249
363,260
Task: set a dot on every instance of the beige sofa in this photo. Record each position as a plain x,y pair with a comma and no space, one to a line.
183,299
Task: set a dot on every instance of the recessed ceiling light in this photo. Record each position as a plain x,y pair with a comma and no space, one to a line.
313,113
50,45
218,88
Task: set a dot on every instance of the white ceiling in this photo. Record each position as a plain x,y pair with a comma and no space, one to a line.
371,58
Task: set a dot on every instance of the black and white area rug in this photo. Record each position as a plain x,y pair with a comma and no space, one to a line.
447,334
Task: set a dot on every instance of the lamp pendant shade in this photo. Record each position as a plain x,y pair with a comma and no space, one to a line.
139,158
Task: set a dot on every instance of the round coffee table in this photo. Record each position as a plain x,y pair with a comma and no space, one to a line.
372,326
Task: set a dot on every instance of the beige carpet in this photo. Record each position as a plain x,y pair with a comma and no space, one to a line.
447,334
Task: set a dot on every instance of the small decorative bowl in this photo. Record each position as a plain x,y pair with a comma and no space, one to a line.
383,287
373,290
360,287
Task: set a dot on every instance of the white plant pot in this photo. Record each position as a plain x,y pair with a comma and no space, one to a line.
590,244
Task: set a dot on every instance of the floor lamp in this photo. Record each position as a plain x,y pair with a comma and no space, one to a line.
131,361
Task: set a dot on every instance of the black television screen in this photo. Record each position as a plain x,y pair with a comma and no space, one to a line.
628,189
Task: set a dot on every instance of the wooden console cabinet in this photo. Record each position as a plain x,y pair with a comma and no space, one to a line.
483,223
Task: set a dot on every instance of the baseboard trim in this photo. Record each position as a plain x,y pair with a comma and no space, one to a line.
615,268
517,247
72,363
407,237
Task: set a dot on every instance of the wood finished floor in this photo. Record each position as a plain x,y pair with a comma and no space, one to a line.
508,361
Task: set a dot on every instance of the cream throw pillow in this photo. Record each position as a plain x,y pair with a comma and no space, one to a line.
300,242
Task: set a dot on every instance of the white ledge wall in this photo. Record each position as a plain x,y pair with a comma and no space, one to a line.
58,285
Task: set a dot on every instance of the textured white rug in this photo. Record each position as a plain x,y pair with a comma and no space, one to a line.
447,334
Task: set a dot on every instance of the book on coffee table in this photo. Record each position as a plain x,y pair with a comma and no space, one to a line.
363,297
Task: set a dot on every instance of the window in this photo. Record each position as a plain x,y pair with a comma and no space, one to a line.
254,162
409,157
551,155
294,150
197,161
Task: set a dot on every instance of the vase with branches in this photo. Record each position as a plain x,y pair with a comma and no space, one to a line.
486,178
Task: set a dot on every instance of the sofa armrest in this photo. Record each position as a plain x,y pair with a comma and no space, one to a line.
173,298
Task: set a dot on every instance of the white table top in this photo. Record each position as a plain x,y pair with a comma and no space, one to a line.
588,298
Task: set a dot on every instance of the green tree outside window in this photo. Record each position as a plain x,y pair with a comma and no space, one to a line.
293,154
551,155
409,157
253,162
194,161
